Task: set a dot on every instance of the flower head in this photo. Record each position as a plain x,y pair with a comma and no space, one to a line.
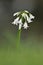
22,19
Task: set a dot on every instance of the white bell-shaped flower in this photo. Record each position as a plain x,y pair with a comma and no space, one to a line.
20,21
31,16
28,18
16,14
20,24
16,21
26,11
25,25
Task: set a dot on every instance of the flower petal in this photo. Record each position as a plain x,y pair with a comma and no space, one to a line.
25,25
20,21
31,16
20,26
16,21
26,11
24,15
29,20
16,13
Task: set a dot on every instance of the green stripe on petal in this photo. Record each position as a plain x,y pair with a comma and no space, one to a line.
23,19
27,14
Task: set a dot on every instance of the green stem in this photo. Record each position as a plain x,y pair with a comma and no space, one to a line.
18,39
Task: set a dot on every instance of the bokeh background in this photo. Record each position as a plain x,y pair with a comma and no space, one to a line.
31,44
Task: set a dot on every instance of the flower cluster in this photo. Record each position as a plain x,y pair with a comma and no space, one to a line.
22,19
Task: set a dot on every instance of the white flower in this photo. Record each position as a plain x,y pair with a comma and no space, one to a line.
23,19
20,24
25,25
31,16
20,21
16,13
26,11
16,21
29,19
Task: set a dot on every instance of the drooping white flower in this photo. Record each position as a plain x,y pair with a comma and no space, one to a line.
25,25
31,16
16,21
20,24
28,19
16,14
26,11
20,21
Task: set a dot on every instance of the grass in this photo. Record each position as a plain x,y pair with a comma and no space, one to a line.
24,56
29,53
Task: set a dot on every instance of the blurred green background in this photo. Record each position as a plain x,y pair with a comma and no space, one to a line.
30,50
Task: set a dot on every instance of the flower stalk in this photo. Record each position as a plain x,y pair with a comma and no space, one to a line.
18,39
